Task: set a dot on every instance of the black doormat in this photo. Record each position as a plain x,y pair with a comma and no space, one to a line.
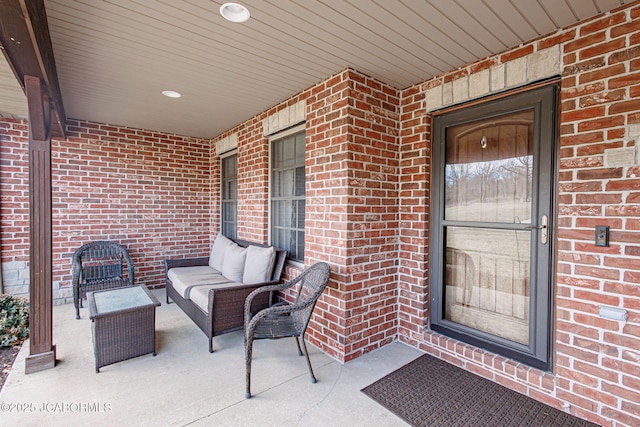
431,392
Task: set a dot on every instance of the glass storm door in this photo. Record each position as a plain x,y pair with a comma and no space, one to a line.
491,211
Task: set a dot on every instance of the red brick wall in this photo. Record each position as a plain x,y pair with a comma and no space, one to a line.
598,360
372,226
14,205
413,269
351,211
253,183
596,367
147,190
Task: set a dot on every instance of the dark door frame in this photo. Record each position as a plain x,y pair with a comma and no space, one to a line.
544,101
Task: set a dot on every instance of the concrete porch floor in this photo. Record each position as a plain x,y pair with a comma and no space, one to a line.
186,385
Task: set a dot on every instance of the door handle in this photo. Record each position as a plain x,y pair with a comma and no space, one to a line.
544,227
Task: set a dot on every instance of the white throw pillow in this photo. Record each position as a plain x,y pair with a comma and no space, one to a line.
259,265
216,258
233,265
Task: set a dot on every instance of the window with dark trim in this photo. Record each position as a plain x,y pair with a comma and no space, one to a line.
288,194
229,193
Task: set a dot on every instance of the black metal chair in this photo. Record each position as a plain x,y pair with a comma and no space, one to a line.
283,319
97,266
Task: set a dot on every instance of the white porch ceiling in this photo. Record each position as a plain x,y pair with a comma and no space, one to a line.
115,57
13,102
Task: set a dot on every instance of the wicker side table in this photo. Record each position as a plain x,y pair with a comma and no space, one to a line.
122,324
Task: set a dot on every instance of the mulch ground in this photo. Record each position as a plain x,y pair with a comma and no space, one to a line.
7,357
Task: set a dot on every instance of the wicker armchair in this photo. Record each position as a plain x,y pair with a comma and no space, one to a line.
282,319
97,266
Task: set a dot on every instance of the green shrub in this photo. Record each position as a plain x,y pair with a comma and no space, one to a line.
14,320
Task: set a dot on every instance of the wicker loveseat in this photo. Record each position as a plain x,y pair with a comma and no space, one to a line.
212,290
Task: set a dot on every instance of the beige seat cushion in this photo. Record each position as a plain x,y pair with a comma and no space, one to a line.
184,279
200,294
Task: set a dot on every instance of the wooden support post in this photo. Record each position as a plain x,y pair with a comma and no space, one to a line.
42,352
26,44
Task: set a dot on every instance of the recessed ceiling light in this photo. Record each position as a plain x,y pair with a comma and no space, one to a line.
234,12
171,93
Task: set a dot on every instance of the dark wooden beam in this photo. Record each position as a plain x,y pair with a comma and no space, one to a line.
42,352
26,43
38,125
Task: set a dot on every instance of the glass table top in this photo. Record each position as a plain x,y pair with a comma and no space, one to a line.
121,299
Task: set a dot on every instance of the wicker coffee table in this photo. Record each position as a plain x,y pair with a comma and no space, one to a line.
122,324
